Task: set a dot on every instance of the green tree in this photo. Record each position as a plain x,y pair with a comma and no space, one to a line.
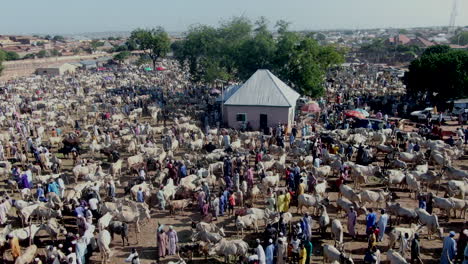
58,38
436,49
29,56
48,37
10,55
96,44
2,58
55,53
441,71
155,42
42,54
121,56
320,37
460,39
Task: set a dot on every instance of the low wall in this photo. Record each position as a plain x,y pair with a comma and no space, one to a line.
22,68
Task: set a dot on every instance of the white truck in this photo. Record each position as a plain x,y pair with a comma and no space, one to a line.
422,115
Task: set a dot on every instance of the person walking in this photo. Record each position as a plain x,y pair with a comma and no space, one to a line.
415,250
382,224
352,219
172,239
449,250
162,242
370,221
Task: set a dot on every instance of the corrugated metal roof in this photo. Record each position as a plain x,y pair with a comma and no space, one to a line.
263,89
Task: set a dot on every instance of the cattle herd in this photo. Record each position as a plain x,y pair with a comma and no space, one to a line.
126,152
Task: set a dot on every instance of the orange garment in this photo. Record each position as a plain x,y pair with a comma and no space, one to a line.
15,248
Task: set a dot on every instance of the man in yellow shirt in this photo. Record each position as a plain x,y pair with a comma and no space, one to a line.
302,254
280,202
287,200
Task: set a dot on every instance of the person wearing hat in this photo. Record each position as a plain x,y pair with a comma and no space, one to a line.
449,250
352,219
260,253
173,239
162,242
269,252
415,250
281,249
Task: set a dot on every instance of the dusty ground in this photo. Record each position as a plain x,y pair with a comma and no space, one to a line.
146,244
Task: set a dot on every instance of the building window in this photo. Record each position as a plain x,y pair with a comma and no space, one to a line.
241,117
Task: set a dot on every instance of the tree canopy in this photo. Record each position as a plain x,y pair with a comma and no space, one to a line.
58,38
441,71
237,48
121,56
155,42
460,39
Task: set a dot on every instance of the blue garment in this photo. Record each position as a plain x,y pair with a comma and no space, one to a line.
269,254
449,250
79,211
422,204
222,204
370,220
53,187
140,197
183,171
40,195
81,251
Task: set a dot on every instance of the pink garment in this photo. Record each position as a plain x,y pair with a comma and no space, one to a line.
250,177
162,244
201,199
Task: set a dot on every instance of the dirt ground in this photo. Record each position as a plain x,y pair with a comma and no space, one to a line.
146,244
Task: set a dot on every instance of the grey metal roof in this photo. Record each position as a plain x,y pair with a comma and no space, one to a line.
263,89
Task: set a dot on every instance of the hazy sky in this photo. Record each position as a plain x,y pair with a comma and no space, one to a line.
75,16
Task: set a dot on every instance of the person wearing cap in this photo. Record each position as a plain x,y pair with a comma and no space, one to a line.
162,242
37,261
281,249
161,199
352,219
449,250
382,224
269,252
415,250
173,239
260,253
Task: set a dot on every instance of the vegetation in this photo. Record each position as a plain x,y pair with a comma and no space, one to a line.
379,51
58,38
155,42
9,55
460,39
2,58
42,54
237,48
440,71
95,44
121,56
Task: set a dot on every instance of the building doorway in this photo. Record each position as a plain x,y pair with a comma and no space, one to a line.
263,121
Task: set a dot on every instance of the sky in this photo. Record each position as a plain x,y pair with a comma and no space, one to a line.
79,16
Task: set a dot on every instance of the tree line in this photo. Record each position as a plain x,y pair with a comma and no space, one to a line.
236,48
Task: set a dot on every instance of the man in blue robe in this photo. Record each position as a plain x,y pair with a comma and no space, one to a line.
269,252
449,250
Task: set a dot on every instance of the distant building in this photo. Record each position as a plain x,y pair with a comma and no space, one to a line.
400,39
262,101
57,70
421,42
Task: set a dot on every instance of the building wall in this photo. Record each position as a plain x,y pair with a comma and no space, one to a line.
275,115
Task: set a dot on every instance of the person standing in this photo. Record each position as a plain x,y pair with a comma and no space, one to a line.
161,199
308,246
260,253
370,221
140,196
302,254
352,218
173,239
281,249
382,224
415,250
269,252
449,250
162,242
